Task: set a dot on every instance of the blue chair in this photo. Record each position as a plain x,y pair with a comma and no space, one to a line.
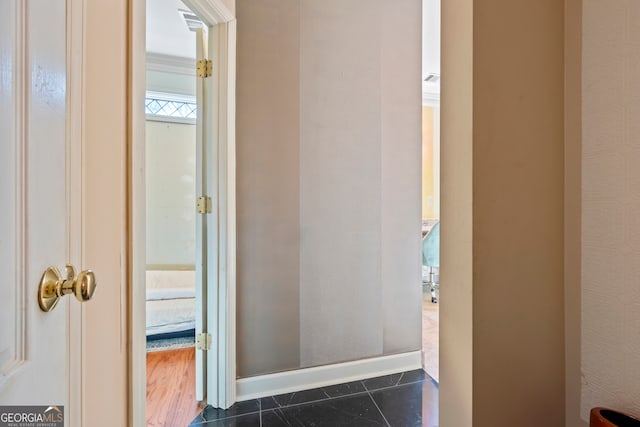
431,261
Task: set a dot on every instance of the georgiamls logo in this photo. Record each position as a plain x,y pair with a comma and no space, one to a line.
32,416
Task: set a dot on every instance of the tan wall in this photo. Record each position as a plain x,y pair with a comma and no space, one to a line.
572,223
328,137
268,188
428,189
610,295
518,213
505,316
456,242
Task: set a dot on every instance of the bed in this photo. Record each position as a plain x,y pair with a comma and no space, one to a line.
170,304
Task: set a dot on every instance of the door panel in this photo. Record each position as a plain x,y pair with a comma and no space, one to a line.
212,129
33,222
201,219
63,139
11,323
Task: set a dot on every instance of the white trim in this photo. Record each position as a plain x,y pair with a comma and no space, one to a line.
221,298
201,265
19,82
171,64
211,12
229,253
430,98
169,119
166,96
136,76
75,194
320,376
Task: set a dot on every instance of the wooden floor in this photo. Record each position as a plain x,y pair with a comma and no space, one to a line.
171,380
430,335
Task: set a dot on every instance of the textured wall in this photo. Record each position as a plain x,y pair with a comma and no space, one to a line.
328,181
611,202
268,189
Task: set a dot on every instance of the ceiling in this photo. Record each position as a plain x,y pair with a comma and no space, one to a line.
167,32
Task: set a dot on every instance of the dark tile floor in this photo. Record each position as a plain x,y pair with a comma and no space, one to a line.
400,400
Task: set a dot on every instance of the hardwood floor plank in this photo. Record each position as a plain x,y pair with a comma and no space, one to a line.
171,380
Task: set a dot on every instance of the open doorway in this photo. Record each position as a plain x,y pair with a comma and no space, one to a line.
430,186
171,232
189,201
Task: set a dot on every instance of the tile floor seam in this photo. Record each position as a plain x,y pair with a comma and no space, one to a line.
231,416
379,410
393,386
400,379
293,405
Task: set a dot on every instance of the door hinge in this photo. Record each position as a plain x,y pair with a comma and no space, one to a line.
203,341
204,205
204,68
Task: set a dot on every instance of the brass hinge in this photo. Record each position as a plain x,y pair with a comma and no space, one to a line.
204,205
204,68
203,341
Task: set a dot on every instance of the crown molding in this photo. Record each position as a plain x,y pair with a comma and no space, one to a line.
430,98
171,64
211,12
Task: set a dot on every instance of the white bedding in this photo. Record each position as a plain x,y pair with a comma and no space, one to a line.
170,315
170,293
171,305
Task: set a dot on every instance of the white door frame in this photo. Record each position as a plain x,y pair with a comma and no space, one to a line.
216,14
75,86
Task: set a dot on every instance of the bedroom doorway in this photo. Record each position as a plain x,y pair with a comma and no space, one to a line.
189,266
174,233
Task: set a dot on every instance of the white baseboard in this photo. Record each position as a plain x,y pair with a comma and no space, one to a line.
320,376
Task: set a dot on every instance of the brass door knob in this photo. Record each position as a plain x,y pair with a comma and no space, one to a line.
54,286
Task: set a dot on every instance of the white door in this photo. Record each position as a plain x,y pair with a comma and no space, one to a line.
37,348
58,206
211,300
202,216
215,228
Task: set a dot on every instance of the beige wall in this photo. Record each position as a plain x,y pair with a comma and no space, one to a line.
502,333
268,189
170,192
428,182
610,341
328,182
572,227
456,213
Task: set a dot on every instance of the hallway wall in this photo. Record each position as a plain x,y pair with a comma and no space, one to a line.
329,151
501,312
610,328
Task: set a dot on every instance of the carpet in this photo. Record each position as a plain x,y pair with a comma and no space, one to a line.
170,344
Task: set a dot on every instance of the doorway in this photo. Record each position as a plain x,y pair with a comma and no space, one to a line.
431,186
172,232
183,93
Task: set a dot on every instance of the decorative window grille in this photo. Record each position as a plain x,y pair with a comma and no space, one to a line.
158,106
